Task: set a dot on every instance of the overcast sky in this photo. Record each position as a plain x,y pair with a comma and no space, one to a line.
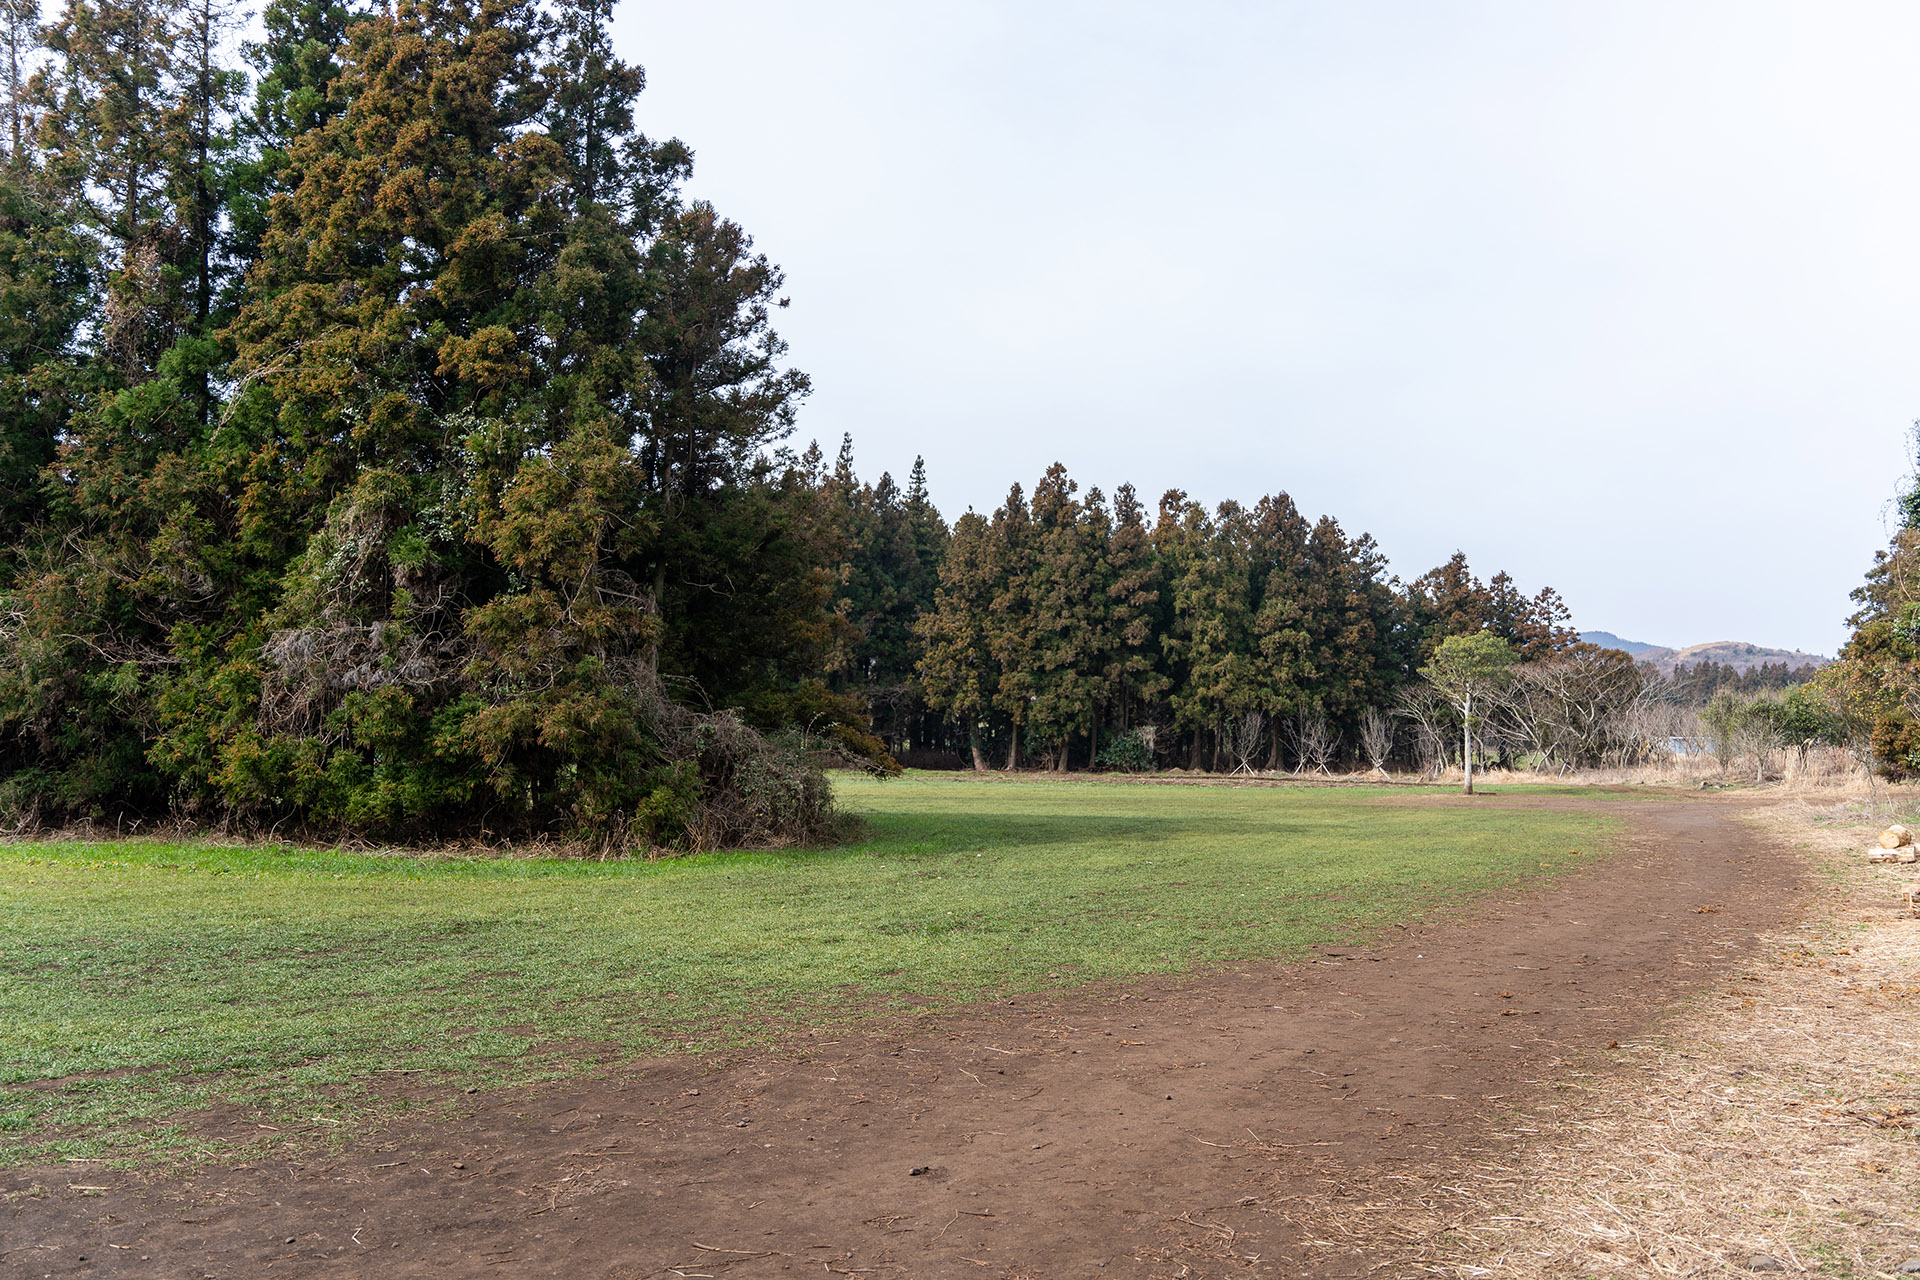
1621,297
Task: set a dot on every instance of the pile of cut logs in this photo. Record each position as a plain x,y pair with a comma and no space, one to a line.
1895,845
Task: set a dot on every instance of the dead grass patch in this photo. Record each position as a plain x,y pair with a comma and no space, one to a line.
1773,1126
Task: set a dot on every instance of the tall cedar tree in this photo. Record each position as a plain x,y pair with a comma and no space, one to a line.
959,672
1354,619
1067,568
128,558
46,272
101,99
882,552
1450,601
19,30
297,89
1209,637
388,338
1874,687
1127,658
1010,617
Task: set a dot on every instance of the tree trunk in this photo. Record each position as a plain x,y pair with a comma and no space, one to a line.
1193,760
1466,744
13,88
973,742
590,148
659,617
1093,737
1013,747
1217,735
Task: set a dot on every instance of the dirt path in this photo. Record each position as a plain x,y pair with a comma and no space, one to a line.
1153,1129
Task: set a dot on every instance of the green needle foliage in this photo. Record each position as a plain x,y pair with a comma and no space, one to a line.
1871,696
143,981
379,458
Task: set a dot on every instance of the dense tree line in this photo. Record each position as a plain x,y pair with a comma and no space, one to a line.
1695,684
1070,629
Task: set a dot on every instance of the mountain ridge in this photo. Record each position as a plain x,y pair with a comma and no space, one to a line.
1741,655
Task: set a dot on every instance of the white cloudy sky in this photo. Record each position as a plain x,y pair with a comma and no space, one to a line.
1622,297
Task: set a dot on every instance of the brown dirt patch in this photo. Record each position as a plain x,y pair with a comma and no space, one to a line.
1163,1128
1773,1124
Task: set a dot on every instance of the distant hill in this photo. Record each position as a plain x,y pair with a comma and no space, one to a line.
1731,653
1608,640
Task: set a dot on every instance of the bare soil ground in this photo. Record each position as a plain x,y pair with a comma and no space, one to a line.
1773,1125
1249,1120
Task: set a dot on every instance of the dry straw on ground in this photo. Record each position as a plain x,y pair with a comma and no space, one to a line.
1774,1126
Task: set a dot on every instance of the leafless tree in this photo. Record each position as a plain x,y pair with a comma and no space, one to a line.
1525,713
1651,721
1243,739
1579,708
1758,736
1598,694
1376,738
1422,706
1312,741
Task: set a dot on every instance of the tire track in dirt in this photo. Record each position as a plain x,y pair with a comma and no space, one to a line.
1192,1127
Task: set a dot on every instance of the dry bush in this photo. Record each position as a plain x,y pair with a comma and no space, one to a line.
747,790
1820,772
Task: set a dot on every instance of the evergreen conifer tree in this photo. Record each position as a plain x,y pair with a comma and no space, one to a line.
100,101
1283,622
297,89
45,276
1063,634
20,34
1010,619
1127,652
1350,614
958,670
1209,634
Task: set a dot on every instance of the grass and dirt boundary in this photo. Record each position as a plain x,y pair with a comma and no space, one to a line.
1767,1123
1772,1125
147,981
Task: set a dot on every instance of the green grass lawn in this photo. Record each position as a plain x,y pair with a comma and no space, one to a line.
141,981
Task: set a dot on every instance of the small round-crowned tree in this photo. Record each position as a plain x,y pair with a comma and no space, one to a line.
1464,668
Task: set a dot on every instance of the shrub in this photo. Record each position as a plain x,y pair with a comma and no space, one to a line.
1130,752
863,750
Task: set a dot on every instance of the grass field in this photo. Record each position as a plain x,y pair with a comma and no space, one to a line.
143,981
